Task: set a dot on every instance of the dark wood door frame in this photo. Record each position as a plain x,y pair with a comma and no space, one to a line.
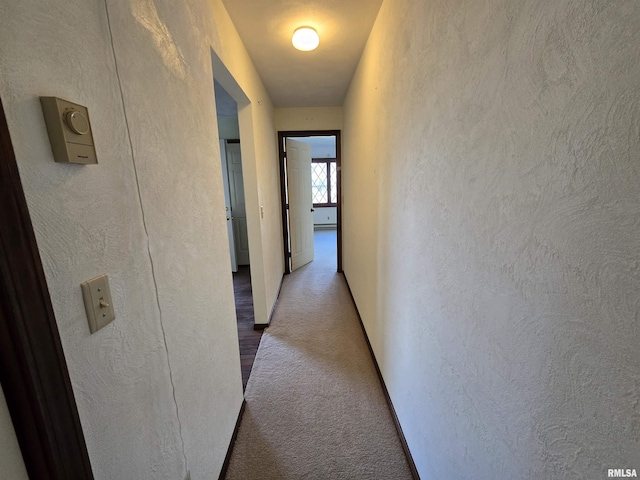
33,371
282,135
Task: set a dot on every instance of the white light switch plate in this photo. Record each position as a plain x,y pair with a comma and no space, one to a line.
97,302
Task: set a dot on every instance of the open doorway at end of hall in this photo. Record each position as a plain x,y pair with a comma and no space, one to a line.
322,173
235,205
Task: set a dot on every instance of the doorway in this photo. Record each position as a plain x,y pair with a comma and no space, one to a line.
325,180
237,232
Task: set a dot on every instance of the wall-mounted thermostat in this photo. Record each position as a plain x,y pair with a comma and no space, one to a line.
69,131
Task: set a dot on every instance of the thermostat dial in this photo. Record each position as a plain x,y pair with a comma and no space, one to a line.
76,122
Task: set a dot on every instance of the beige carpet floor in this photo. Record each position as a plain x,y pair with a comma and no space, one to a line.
315,408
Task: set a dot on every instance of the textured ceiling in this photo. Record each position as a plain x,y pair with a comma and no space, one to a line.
304,79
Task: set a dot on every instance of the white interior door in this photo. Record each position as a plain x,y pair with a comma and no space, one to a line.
300,202
238,206
227,205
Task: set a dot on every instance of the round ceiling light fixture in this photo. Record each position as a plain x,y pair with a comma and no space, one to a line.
305,39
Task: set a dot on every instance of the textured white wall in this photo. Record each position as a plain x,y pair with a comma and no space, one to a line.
159,389
496,266
325,215
11,463
262,194
309,118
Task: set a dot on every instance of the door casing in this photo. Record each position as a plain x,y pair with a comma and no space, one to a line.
33,370
283,188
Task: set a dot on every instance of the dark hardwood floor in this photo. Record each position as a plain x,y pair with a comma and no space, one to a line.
248,337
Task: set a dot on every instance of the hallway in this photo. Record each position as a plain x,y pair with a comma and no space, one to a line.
489,191
315,407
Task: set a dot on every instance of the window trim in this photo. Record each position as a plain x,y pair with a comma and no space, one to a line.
327,161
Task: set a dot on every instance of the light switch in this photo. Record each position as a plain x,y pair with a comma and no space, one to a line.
69,131
97,302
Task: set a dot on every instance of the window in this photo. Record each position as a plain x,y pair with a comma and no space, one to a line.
324,191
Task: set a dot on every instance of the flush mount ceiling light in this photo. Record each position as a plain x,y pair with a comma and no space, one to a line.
305,39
